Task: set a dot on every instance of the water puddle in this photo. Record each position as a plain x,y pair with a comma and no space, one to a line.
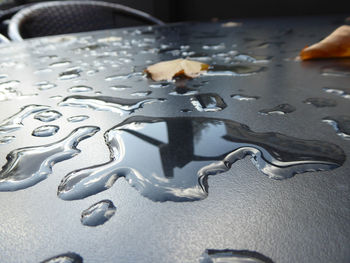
98,213
341,125
65,258
243,97
77,118
79,89
106,103
280,109
145,151
45,131
233,256
14,122
321,102
48,116
342,92
28,166
209,102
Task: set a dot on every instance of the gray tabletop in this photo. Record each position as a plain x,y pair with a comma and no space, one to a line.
246,162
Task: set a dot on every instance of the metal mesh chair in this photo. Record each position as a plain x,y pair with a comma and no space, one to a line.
61,17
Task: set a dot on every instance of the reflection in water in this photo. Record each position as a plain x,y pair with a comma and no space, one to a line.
28,166
171,158
65,258
106,103
45,130
233,256
48,116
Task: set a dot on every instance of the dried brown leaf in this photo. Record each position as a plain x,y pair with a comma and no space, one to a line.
166,70
336,45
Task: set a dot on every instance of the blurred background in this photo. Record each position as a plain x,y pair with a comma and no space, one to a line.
204,10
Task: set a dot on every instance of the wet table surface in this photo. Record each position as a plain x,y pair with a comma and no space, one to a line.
103,164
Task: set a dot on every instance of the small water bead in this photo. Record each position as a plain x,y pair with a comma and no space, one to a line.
47,116
125,77
28,166
342,92
71,73
141,93
209,102
56,97
45,85
45,131
7,139
342,70
98,213
341,124
243,97
280,109
64,258
214,47
78,118
60,64
79,89
233,256
120,87
159,85
321,102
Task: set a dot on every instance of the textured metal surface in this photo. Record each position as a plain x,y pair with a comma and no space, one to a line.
301,219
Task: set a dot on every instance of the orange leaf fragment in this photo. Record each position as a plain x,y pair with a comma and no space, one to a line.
336,45
166,70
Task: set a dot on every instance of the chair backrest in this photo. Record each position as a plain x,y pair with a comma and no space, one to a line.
61,17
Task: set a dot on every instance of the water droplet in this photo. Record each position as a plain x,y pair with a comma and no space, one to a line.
251,59
124,77
9,84
60,64
214,47
321,102
343,92
98,213
159,85
233,256
279,109
48,116
120,87
65,258
167,172
45,85
7,139
80,88
109,39
28,166
14,122
104,103
71,73
141,94
77,118
234,70
45,131
341,125
243,97
208,102
56,97
336,70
